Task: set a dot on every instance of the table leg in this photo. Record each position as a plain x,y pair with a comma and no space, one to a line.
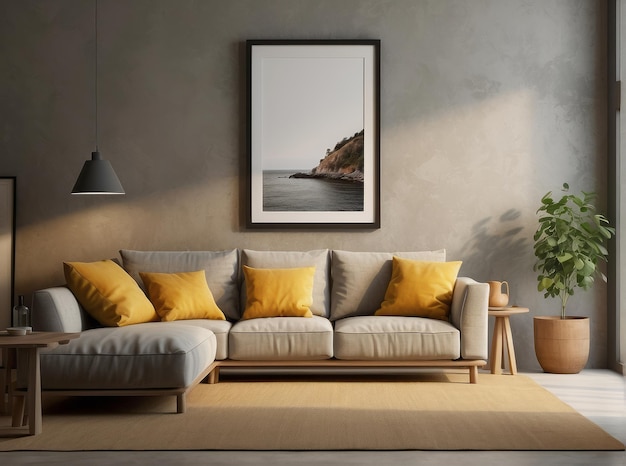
33,403
17,410
9,361
4,383
509,346
496,347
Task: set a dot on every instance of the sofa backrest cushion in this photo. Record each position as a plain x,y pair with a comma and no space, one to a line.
318,258
360,279
221,268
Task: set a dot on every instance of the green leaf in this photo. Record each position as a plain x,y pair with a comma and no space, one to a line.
589,268
586,282
564,257
605,232
547,199
545,283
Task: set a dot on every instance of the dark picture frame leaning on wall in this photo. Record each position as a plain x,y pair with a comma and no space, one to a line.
7,248
313,134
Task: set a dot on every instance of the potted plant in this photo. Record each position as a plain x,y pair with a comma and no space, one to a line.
569,245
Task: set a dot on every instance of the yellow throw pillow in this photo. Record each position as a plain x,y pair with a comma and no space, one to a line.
420,288
278,292
181,296
108,293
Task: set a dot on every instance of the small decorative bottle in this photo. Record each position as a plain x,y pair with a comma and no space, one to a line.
21,314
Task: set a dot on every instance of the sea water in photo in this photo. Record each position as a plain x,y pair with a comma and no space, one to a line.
284,194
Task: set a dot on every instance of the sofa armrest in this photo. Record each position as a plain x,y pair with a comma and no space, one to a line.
469,313
57,310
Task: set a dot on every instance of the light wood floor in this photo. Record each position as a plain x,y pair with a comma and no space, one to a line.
598,394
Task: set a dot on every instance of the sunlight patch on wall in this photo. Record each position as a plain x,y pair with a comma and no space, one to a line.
450,169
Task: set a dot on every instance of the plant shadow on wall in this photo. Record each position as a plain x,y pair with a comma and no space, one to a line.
495,245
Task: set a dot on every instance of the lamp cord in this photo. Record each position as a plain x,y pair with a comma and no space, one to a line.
96,68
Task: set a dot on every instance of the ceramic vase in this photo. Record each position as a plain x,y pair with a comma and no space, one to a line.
498,297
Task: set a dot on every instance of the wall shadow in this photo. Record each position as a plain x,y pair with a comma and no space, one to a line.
496,245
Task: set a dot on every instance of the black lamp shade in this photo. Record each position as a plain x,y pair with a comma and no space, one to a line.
97,177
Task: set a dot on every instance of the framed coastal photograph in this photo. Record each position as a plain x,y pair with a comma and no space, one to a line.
313,134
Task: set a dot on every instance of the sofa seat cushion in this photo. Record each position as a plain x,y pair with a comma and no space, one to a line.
281,338
396,338
220,329
142,356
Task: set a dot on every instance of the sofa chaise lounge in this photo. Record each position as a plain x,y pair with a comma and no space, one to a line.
343,328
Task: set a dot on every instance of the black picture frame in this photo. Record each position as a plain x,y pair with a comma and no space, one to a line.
313,136
7,248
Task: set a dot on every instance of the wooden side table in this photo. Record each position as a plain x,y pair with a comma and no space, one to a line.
502,336
30,345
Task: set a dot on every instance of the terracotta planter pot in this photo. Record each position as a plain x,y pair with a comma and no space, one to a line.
562,345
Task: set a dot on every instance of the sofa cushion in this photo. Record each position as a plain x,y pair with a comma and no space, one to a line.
150,355
180,296
360,279
108,293
220,329
221,268
289,259
278,292
56,309
420,288
395,338
281,338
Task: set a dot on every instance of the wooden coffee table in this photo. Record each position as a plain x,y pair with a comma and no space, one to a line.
30,346
503,338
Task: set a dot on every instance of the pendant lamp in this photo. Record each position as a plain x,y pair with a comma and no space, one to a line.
97,175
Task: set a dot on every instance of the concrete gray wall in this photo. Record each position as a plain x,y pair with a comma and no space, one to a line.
486,105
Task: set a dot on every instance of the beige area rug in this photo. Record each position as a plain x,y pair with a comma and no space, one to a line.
406,412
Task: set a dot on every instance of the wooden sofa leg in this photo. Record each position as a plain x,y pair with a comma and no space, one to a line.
181,403
214,376
473,374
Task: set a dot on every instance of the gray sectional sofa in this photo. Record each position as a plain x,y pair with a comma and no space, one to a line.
170,358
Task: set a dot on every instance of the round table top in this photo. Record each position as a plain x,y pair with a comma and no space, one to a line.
507,310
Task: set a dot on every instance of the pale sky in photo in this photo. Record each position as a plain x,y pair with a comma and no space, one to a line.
309,104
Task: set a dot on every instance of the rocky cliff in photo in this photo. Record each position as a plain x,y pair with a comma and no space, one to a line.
344,162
